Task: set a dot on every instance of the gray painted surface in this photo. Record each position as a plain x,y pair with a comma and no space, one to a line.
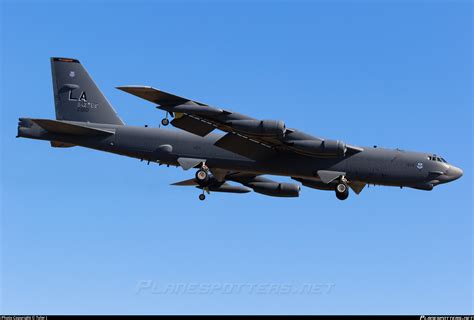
85,118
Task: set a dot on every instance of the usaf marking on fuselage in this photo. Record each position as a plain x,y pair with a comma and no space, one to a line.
248,150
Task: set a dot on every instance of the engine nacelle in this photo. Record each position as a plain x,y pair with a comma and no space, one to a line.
333,148
276,189
229,188
259,127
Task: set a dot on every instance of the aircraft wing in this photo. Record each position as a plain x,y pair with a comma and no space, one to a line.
246,136
156,96
248,182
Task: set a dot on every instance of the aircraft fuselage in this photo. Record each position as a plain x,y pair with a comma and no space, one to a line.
373,165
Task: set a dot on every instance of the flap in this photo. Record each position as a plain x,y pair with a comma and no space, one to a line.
244,146
192,125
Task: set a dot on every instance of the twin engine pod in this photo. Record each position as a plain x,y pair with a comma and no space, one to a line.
276,128
330,148
269,188
269,128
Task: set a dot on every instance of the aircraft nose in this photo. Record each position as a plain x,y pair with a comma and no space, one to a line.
454,173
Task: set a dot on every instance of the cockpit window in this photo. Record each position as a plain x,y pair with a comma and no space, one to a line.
435,158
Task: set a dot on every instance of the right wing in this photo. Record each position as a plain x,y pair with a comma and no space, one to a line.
156,96
247,136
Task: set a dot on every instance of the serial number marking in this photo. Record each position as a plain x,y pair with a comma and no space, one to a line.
85,106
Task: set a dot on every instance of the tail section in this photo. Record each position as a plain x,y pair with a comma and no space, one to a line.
59,127
55,130
77,97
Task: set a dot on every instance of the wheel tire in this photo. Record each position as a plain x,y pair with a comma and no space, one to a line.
341,187
165,122
342,191
202,176
202,197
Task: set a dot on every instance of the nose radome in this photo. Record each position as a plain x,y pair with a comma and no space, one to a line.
455,172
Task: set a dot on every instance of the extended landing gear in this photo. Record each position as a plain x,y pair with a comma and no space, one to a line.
202,178
342,190
165,120
202,196
202,175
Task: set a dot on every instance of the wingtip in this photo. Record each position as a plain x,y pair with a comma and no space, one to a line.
61,59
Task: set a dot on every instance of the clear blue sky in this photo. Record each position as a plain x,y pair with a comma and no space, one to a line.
81,229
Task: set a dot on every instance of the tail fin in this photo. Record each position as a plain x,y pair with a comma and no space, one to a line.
77,97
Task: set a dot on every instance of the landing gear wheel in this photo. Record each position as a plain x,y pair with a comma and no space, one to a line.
165,122
342,191
341,187
202,176
202,196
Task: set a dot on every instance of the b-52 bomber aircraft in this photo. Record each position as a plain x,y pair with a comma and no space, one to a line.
248,150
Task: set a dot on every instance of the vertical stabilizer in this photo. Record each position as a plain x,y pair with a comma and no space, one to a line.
77,97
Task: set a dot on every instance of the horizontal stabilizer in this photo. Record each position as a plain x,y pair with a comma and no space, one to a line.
55,126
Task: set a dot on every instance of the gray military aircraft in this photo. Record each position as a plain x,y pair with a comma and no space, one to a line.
249,149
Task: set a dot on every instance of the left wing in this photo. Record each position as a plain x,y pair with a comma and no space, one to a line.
247,181
245,135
